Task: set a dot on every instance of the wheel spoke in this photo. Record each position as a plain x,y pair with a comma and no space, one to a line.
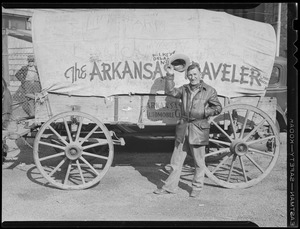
231,167
89,165
58,135
80,171
68,172
244,125
261,139
233,126
222,162
94,155
255,129
68,130
221,142
52,156
79,129
104,142
257,166
58,166
89,134
243,168
52,145
216,152
56,141
216,124
261,152
218,145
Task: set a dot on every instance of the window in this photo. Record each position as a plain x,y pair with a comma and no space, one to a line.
275,76
17,23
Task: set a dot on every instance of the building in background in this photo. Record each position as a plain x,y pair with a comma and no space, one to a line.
16,43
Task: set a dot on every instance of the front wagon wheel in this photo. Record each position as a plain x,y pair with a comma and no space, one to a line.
243,146
73,150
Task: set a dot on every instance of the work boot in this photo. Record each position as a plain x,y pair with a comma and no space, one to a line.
195,193
161,191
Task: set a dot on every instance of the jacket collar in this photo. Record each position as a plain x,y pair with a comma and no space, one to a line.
202,86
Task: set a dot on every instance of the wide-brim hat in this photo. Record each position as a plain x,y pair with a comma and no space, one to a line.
180,62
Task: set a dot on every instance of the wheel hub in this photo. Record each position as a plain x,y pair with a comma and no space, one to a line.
73,152
239,147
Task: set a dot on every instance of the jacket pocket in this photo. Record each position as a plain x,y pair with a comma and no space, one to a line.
202,124
199,132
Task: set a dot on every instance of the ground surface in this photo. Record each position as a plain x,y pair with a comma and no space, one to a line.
126,192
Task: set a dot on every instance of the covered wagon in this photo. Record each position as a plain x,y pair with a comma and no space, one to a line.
102,75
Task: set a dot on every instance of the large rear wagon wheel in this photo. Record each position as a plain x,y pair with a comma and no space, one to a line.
244,146
73,150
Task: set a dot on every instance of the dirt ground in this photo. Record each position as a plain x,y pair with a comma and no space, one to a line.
126,192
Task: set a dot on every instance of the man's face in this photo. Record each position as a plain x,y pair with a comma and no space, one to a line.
194,76
30,63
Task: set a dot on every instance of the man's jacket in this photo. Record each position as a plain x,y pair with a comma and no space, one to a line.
22,73
194,113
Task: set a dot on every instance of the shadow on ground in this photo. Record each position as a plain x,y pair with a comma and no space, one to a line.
149,158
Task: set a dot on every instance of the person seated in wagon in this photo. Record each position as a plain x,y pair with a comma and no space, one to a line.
198,102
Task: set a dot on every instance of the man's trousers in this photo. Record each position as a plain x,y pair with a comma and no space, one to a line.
177,160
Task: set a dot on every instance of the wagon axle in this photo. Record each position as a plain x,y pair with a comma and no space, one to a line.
239,147
73,152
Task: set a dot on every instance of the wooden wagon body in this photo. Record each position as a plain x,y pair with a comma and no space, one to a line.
104,69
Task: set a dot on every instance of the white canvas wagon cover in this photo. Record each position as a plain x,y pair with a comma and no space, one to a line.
107,52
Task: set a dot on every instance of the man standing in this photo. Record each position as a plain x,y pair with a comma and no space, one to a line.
198,102
30,84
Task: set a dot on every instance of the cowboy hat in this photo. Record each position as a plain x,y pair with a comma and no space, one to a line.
180,62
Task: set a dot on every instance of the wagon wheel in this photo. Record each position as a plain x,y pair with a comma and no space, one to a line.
246,143
73,150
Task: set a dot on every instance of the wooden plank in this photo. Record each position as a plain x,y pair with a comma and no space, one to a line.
129,108
149,110
134,109
164,110
266,104
5,66
101,108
